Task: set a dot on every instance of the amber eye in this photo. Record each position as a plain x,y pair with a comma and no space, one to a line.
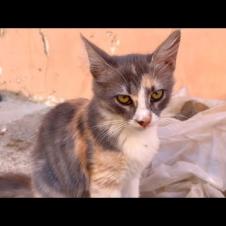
124,99
157,95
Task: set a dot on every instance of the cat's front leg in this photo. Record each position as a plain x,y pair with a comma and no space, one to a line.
132,188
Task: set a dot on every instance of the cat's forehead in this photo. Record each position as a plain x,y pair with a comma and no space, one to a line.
136,63
146,82
134,68
137,73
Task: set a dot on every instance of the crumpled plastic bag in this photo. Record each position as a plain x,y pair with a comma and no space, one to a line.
191,161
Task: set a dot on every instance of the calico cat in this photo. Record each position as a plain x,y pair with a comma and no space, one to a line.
100,147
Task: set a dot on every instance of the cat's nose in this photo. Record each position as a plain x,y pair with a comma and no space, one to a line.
144,122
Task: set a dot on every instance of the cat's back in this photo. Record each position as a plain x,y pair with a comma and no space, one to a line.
67,109
62,115
57,163
60,123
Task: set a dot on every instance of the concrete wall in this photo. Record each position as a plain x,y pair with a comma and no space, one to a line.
52,62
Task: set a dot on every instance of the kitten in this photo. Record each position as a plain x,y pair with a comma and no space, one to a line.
99,148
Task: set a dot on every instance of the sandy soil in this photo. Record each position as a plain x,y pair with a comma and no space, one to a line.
19,122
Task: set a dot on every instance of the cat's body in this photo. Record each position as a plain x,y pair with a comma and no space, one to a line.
100,147
77,155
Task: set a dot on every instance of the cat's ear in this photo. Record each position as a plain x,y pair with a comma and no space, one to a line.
164,57
100,62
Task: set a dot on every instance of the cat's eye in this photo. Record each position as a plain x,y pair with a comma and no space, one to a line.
123,99
157,95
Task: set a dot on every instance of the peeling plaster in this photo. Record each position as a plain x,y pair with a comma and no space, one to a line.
2,32
45,42
114,41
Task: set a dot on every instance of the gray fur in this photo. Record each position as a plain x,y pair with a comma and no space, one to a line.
116,71
58,171
56,166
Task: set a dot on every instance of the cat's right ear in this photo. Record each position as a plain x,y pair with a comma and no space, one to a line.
100,62
164,57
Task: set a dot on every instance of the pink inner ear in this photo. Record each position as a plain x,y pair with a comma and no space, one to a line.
170,63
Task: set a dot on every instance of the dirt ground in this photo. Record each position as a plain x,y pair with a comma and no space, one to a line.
19,122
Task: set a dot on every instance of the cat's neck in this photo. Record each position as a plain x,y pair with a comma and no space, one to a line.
97,122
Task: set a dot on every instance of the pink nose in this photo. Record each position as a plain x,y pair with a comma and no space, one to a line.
144,122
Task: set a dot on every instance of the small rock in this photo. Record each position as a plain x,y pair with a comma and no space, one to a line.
3,131
18,144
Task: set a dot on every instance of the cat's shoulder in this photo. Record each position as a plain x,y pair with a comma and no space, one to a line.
66,111
70,105
78,101
73,103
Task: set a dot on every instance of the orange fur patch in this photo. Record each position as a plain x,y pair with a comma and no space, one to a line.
135,99
79,139
147,81
108,168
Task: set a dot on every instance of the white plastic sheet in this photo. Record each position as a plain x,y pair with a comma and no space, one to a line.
191,161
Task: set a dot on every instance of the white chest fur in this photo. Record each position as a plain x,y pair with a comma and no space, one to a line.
139,147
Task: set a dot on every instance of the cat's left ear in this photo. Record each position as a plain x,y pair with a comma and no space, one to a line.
164,57
100,62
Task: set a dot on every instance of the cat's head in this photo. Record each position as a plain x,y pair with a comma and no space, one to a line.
134,88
